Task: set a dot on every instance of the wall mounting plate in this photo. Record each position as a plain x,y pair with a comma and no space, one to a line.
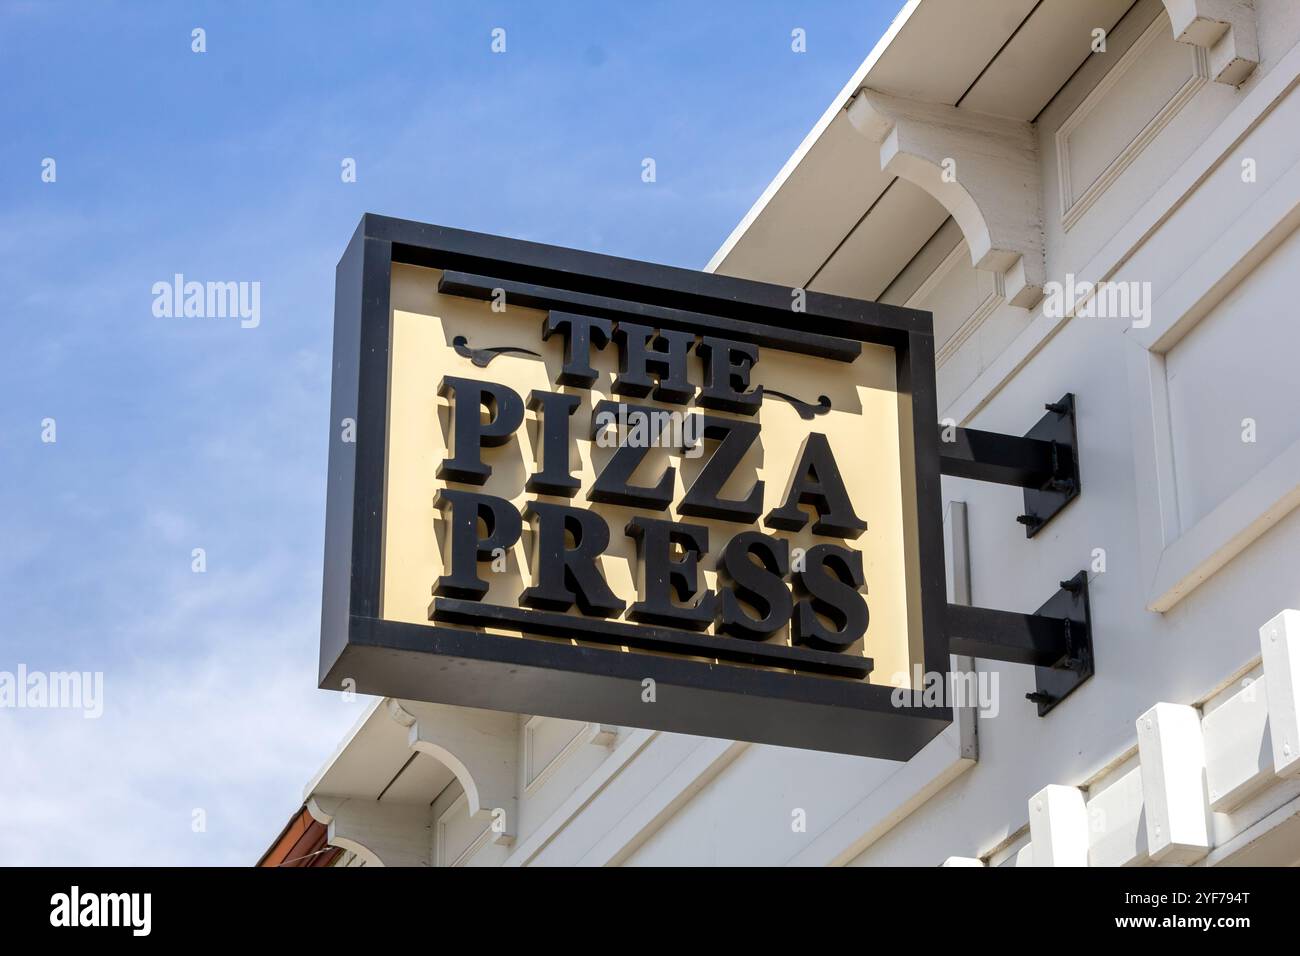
1058,682
1058,428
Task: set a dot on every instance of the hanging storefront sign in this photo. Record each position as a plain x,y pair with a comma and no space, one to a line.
579,486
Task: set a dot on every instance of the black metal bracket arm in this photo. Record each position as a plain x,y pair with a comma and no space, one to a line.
1045,462
1056,640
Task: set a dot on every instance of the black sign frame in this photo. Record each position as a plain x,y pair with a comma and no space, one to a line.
448,664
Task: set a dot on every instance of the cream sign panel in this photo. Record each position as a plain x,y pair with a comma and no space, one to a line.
781,523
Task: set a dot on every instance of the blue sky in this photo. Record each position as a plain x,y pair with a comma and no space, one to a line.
174,434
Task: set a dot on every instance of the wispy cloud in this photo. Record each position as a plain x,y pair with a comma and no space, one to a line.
219,716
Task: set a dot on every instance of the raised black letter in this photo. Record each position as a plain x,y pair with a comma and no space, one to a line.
834,595
468,397
816,481
613,484
665,356
761,586
702,498
726,376
662,575
500,520
554,409
567,575
580,333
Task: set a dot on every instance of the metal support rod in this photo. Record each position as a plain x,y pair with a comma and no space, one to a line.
1003,459
1044,462
1056,640
1007,636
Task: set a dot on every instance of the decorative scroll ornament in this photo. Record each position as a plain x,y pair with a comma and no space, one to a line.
807,410
482,358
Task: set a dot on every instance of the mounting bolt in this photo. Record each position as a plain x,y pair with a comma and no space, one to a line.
1071,585
1038,697
1031,521
1061,408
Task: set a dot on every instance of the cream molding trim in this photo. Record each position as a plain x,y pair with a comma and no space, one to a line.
1225,29
983,169
628,749
535,777
467,854
987,306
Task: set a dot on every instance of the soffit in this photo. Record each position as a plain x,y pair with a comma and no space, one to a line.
824,216
863,266
375,758
1046,50
944,46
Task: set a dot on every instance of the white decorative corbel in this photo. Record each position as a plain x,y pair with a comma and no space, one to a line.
1225,29
381,834
983,169
481,748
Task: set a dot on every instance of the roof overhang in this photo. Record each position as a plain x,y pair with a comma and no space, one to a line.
833,220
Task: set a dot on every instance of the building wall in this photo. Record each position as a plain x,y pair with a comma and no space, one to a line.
1230,364
1185,528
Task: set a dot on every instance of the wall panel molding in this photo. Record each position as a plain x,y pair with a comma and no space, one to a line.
539,765
1078,198
1178,558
